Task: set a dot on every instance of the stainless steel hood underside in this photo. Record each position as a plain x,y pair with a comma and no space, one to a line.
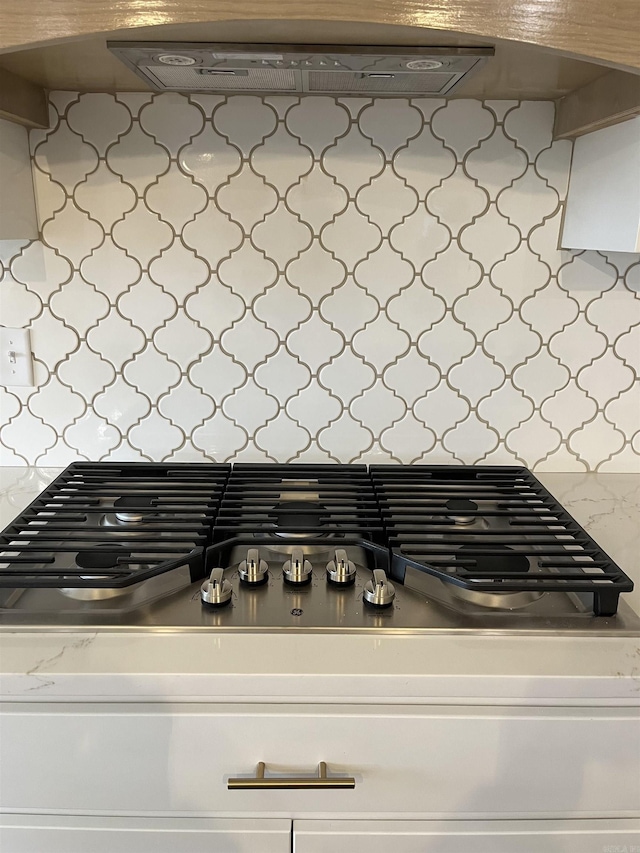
300,69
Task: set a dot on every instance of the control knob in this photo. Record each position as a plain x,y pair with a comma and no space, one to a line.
341,571
253,570
217,590
379,592
297,570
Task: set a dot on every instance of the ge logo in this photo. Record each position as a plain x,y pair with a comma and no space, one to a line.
296,611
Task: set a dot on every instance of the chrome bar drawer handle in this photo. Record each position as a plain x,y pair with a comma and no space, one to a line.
259,781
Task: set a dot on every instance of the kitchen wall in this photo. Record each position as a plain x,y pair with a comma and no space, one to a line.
314,280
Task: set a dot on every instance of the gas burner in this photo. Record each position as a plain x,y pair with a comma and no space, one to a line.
491,565
308,516
129,512
458,507
100,557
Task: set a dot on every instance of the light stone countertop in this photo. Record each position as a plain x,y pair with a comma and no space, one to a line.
36,666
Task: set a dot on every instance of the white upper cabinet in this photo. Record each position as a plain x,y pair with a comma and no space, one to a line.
18,220
603,204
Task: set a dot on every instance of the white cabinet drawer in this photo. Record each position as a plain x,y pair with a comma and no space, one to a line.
38,834
415,762
539,836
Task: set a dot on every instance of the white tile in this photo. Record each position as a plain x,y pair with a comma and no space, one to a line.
186,406
550,311
282,438
179,271
471,440
353,161
245,121
420,237
496,164
100,119
569,408
73,234
416,309
441,409
390,123
281,160
446,344
347,376
122,405
553,165
505,409
315,272
79,305
490,238
282,375
56,404
215,306
92,436
313,408
521,274
528,201
110,269
541,377
586,276
317,198
217,374
596,441
27,436
66,157
86,373
577,344
250,341
213,235
282,236
617,314
138,159
476,376
18,305
147,305
512,343
152,373
424,163
248,272
210,159
378,408
534,440
51,340
408,440
250,407
457,201
349,308
182,340
142,234
627,347
462,124
531,125
381,342
452,273
156,436
387,200
483,308
49,195
176,198
315,342
41,269
411,376
282,308
171,120
219,438
606,378
384,272
317,122
116,339
105,197
345,439
350,236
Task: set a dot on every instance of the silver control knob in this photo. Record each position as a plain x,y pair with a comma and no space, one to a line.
217,590
379,591
253,570
297,570
341,570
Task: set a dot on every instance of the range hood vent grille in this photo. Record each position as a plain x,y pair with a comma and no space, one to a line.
303,69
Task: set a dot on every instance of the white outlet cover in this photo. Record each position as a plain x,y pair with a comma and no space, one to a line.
16,364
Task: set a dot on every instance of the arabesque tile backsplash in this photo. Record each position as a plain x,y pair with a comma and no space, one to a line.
315,279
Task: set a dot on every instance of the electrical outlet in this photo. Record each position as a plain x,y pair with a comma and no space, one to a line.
16,364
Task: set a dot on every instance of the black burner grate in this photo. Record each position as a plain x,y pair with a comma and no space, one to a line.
491,529
297,499
113,524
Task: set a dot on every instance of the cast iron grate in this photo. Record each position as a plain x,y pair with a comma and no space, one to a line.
113,524
491,529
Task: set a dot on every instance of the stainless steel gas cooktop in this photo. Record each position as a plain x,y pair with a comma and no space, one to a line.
318,547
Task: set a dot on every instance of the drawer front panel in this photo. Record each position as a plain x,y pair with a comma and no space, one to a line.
540,836
434,762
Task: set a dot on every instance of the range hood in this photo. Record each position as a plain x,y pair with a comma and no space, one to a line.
300,69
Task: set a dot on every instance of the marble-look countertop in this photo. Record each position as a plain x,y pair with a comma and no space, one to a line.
41,666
